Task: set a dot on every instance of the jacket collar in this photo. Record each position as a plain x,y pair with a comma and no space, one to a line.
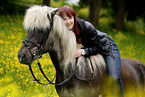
81,24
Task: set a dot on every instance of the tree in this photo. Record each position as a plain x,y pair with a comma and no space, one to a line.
46,2
11,7
120,14
94,8
121,8
135,9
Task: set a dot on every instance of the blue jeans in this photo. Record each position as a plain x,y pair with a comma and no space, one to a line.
114,66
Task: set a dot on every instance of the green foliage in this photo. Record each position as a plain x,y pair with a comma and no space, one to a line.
11,7
83,3
83,13
55,4
106,21
131,45
136,26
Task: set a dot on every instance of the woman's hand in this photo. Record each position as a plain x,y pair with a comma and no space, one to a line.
78,53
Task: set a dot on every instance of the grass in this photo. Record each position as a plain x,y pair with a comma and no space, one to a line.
15,78
130,44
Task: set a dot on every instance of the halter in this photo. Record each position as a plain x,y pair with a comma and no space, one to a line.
38,63
39,50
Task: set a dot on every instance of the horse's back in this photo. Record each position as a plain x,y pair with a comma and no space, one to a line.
133,68
133,74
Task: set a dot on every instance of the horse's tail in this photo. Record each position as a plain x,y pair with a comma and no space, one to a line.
142,67
142,72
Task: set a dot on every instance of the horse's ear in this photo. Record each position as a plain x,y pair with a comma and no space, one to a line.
49,16
54,10
53,13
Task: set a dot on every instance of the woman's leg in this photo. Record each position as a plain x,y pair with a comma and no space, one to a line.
113,67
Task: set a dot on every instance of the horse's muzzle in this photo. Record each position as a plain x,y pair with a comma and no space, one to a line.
23,59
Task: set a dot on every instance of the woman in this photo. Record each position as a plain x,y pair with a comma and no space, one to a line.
94,42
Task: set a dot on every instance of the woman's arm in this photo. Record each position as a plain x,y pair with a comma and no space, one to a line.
92,36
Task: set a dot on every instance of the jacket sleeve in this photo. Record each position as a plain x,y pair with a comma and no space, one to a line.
93,38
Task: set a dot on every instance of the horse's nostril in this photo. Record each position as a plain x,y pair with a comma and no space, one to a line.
21,57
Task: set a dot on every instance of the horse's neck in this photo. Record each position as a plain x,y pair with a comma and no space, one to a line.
56,60
62,52
56,54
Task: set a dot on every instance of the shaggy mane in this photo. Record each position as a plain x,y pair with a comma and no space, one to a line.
36,17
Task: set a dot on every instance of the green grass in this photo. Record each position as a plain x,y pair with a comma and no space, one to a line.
15,78
130,44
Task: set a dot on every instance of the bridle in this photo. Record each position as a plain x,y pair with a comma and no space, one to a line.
34,54
40,48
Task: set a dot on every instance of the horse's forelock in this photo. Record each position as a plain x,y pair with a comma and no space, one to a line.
36,17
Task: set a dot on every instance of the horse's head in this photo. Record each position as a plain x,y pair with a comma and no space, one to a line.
38,22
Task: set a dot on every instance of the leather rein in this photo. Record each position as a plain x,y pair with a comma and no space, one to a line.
39,64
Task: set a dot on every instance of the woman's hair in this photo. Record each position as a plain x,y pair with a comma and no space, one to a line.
68,11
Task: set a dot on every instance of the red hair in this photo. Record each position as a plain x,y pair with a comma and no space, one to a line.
67,10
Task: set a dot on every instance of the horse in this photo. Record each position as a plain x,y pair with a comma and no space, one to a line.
75,77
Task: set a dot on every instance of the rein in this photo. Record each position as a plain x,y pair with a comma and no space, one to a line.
49,82
58,84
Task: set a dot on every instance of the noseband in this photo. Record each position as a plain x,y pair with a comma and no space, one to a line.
35,51
44,41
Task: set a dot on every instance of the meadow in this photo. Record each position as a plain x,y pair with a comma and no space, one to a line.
15,78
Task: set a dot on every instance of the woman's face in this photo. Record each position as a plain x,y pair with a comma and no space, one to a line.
69,22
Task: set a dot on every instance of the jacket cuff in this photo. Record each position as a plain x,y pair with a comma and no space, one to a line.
87,53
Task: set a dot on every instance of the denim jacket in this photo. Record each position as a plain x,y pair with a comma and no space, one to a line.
94,41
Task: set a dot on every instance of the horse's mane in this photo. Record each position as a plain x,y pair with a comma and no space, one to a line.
68,40
36,17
